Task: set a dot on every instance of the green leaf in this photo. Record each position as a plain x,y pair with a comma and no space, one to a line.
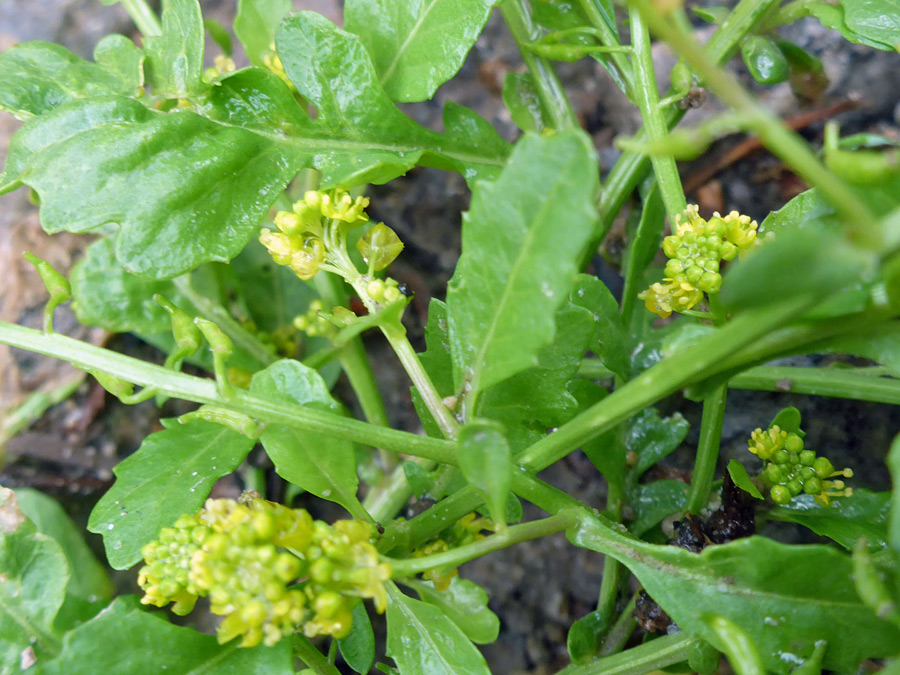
486,462
33,578
610,341
106,295
423,641
126,639
90,589
515,270
586,635
332,70
875,23
741,478
320,464
789,420
846,520
521,99
39,76
757,584
255,25
714,14
879,343
121,57
171,474
764,60
893,462
358,648
652,438
465,603
183,189
416,46
643,246
653,502
175,58
536,398
219,34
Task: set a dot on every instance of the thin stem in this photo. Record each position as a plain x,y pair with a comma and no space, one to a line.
312,657
596,14
655,126
144,17
833,382
861,224
33,408
622,629
179,385
216,313
495,542
557,109
707,450
644,658
387,499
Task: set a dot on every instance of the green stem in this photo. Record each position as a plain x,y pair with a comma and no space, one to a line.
707,450
596,14
655,126
631,167
200,390
644,658
34,407
557,109
789,13
388,498
144,17
692,363
312,657
622,629
495,542
217,314
788,146
833,382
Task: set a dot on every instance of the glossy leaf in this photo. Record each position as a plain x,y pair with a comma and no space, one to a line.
416,45
353,106
171,474
358,648
175,58
125,639
765,61
320,464
654,502
121,57
33,578
586,635
846,520
90,589
757,584
880,343
522,101
486,462
255,25
465,603
39,76
423,641
741,478
183,189
515,270
652,438
868,22
610,342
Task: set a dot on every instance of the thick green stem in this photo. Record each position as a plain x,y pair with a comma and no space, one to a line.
707,450
644,658
200,390
596,14
834,382
216,313
312,657
861,224
144,17
557,109
495,542
631,167
655,126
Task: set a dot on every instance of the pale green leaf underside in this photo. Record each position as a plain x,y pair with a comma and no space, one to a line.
520,240
416,45
171,474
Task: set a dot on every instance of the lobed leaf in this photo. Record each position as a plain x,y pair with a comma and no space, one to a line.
423,641
171,474
416,45
125,639
757,584
175,58
121,57
465,603
320,464
515,270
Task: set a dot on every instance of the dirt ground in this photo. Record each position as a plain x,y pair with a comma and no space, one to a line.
538,588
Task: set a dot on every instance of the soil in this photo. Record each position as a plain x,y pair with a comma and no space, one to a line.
537,588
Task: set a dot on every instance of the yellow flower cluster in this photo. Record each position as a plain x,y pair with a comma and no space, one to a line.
269,570
273,63
791,469
464,531
695,252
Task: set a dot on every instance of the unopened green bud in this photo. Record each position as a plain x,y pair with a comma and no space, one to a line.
812,486
187,335
710,282
795,487
824,468
793,442
807,457
780,495
219,343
